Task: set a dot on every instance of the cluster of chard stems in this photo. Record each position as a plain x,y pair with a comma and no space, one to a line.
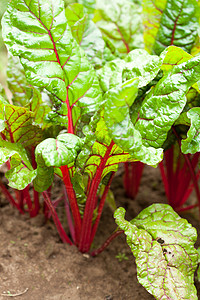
179,177
82,228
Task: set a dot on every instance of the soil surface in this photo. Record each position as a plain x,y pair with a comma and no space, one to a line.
35,265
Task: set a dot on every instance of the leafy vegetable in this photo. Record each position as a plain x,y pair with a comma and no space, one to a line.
85,100
163,105
163,245
120,23
170,23
86,33
48,63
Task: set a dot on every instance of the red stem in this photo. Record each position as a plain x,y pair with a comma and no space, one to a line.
127,178
193,175
186,208
192,172
69,217
72,201
100,208
57,222
85,240
36,202
107,242
164,178
10,198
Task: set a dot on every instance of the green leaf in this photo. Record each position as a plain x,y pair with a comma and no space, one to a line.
89,7
86,33
178,25
164,103
117,118
52,59
173,56
120,22
137,64
111,74
170,22
192,143
142,65
17,83
198,270
23,94
152,13
21,172
40,109
163,245
19,175
52,153
19,126
120,127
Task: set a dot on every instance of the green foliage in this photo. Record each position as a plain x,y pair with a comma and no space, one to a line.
86,97
170,22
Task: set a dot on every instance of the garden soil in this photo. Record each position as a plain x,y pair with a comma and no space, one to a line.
35,265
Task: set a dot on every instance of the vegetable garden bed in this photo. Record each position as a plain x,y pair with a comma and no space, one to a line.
94,88
32,255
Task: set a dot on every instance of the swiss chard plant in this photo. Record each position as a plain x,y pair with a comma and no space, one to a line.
90,101
176,23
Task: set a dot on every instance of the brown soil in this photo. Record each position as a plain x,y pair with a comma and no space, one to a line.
35,265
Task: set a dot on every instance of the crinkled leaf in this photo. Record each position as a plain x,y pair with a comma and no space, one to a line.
192,143
52,153
163,244
141,65
23,94
21,172
111,74
196,46
40,109
174,56
198,270
170,22
120,127
117,117
17,83
86,33
120,22
164,103
152,13
178,25
19,175
19,126
137,64
52,59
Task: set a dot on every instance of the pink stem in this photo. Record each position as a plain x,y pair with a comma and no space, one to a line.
10,197
106,243
72,201
164,178
69,217
85,240
100,208
57,222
